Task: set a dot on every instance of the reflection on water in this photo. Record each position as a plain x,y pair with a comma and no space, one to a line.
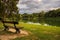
46,22
46,25
33,23
38,24
53,22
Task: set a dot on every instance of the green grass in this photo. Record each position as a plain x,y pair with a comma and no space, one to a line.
40,32
1,25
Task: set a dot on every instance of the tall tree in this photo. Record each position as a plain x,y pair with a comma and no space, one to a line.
8,7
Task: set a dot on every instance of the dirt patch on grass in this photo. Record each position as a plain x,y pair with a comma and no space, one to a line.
12,35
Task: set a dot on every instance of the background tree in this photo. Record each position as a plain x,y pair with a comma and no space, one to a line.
25,17
8,7
53,13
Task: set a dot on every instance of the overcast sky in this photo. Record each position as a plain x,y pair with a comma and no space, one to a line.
30,6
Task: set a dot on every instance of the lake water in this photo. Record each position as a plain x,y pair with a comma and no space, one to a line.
38,24
45,22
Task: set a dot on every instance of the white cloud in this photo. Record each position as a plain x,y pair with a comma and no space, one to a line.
22,6
30,6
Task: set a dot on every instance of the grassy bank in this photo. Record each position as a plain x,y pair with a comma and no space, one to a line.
40,32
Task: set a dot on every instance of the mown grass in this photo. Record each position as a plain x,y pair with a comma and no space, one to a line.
39,32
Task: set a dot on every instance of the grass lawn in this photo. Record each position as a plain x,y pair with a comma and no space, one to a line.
39,32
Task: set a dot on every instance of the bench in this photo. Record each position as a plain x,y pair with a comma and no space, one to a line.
6,27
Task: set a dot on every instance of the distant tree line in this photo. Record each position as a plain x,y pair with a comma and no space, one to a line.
40,16
53,13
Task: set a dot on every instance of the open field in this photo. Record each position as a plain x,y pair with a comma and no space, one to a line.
39,32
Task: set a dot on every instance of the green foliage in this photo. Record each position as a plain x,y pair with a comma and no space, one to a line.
8,8
38,17
53,13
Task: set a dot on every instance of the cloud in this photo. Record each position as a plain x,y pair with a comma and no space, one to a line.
30,6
